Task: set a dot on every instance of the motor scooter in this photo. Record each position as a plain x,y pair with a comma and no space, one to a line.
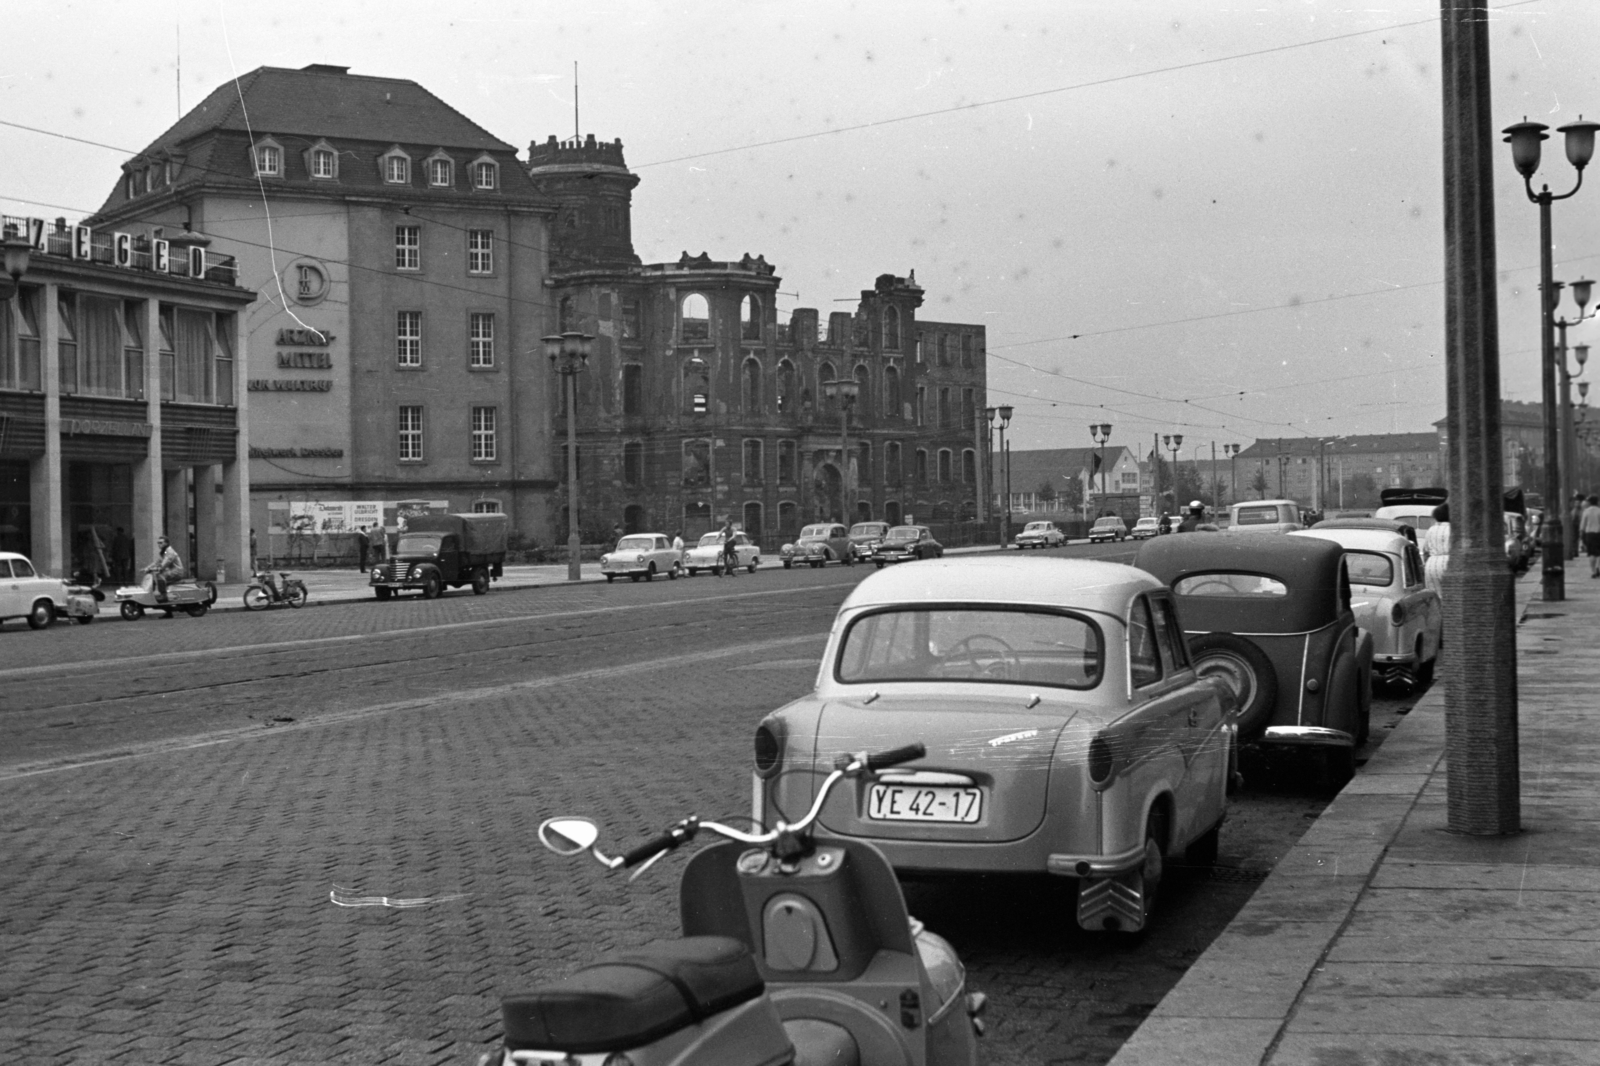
193,598
268,591
792,952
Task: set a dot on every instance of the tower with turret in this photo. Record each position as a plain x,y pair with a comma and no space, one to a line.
594,190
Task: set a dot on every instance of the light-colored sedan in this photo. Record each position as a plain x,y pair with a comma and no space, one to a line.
710,554
1066,728
26,593
1041,534
818,545
1145,528
1391,602
641,555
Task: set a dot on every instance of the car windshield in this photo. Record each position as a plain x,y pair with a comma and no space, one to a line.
636,544
1256,516
418,544
1226,584
1369,568
903,533
815,531
1023,646
868,529
710,539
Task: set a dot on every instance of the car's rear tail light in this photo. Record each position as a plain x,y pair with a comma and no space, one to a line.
1101,760
769,748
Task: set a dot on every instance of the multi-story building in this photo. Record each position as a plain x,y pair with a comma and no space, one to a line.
122,404
1069,481
399,251
1312,470
698,402
1521,443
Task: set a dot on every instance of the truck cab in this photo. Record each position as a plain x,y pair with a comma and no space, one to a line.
438,551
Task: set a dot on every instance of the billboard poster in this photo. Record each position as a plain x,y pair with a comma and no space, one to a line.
316,517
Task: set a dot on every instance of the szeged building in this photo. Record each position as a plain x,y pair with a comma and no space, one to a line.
408,265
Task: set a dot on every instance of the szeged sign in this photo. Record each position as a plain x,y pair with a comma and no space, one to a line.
297,453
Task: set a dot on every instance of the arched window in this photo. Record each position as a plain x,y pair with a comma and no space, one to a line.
944,466
788,518
633,463
696,386
750,318
863,389
696,463
863,510
754,455
752,387
825,375
969,466
752,521
891,463
891,329
944,349
633,518
891,512
891,392
786,398
695,319
787,464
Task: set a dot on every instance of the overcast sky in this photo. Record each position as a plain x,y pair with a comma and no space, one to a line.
1183,216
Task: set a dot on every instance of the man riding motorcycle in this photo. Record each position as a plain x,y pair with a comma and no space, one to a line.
167,568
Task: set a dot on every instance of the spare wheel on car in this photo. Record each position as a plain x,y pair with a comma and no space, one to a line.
1248,672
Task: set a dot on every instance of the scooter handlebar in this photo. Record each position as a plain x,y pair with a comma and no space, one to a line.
678,834
895,756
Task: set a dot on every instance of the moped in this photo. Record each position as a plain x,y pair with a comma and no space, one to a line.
793,951
267,591
193,598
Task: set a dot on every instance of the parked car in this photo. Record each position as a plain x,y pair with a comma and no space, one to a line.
26,593
1108,528
439,550
642,555
1403,616
711,553
904,544
1040,534
818,545
1067,730
1264,516
1386,524
1273,615
865,536
1145,528
1413,507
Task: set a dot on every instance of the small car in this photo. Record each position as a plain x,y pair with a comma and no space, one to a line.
1413,507
818,545
1265,516
1387,524
1040,534
711,554
1145,528
865,536
1067,730
1390,601
1108,528
26,593
1273,615
641,555
904,544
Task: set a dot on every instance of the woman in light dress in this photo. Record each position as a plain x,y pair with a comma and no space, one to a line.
1436,549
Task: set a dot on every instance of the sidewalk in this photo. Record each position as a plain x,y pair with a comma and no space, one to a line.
1382,938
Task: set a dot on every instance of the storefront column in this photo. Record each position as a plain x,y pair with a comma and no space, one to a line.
148,506
175,513
205,522
46,491
235,547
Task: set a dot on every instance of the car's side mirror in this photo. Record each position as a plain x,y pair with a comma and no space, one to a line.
568,836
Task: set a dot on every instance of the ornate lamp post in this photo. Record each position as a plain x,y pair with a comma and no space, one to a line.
1173,442
845,390
1524,138
569,355
1101,433
1580,295
1003,414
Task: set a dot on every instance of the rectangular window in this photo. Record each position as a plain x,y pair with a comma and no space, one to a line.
922,468
322,162
632,389
786,464
480,251
630,318
944,409
484,175
439,172
752,462
481,340
397,170
19,342
922,398
969,412
410,434
483,439
408,338
269,161
485,506
408,247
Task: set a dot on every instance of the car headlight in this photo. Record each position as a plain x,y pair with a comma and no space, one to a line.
639,558
377,573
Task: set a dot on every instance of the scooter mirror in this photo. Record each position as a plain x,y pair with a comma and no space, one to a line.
568,836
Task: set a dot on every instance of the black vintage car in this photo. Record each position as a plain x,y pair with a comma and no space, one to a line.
1272,615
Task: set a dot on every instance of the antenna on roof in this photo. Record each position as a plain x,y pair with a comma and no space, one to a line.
577,135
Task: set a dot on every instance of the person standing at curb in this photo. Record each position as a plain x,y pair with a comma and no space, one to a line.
1589,533
363,545
730,552
1436,549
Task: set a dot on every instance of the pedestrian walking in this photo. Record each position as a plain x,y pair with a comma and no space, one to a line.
730,551
1589,533
122,555
255,556
1436,549
363,546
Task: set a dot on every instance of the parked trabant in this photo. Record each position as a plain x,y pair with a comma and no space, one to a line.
1273,615
1108,529
1067,730
818,545
1391,601
641,555
1040,534
711,553
26,593
904,544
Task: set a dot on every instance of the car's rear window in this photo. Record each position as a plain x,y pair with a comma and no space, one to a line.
636,544
1219,583
1108,523
1369,568
1256,516
1019,646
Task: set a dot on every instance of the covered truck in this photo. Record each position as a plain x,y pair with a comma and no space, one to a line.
435,551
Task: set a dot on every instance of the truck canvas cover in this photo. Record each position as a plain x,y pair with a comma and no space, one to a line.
481,534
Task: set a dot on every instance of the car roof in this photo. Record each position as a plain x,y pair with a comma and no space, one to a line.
1359,539
1261,503
1108,518
1088,584
1311,567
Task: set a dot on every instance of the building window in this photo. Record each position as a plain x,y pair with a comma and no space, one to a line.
396,167
269,161
944,409
969,410
891,392
411,434
696,386
752,387
408,338
480,340
944,349
441,172
750,318
480,251
485,506
485,174
752,521
966,351
408,247
969,467
632,389
922,399
696,463
891,329
695,319
483,435
944,466
752,462
630,318
324,163
633,463
891,463
922,467
785,397
786,462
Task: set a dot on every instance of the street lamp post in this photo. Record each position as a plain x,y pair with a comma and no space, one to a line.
569,355
1173,442
1101,433
1524,138
1001,417
845,390
1580,295
1233,470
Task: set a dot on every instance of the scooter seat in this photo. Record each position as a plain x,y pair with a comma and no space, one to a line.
630,999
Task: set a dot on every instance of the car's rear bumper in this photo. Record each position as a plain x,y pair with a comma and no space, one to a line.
1306,736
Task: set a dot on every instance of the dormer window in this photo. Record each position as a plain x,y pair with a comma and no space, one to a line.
441,171
269,159
395,165
485,173
131,185
322,162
